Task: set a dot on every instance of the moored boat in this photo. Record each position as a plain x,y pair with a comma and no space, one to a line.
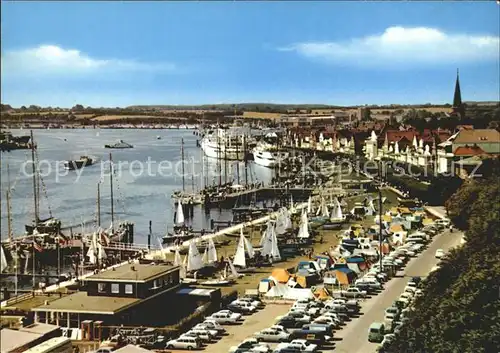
119,144
84,161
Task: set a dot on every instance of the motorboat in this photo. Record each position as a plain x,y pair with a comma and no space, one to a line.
227,144
268,157
84,161
119,144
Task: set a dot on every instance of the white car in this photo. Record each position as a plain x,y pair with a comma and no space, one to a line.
299,345
439,253
255,303
184,343
443,221
407,295
212,325
204,335
224,317
328,319
271,335
389,316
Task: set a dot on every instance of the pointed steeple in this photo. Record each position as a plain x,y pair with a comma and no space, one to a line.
458,106
457,97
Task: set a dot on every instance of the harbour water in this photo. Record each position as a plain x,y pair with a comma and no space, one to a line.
145,178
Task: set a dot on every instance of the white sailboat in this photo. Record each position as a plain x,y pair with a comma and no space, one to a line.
309,205
92,252
304,227
234,273
179,216
194,260
244,247
177,257
3,259
212,252
270,245
337,215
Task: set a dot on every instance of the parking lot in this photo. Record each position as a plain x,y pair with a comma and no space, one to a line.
235,334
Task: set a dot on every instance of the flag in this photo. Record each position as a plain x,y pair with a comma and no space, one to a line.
37,246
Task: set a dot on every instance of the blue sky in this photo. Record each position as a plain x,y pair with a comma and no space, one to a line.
345,53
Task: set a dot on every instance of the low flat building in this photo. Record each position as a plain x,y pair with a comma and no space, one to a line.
16,341
132,294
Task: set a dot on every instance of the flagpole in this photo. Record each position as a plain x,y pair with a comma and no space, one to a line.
33,256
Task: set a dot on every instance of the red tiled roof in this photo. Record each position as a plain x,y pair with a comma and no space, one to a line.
469,151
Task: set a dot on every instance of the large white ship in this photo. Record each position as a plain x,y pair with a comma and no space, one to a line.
227,144
268,156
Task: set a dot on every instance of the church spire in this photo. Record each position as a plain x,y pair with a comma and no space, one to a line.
458,107
457,98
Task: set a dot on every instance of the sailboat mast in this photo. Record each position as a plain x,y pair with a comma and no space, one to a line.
35,195
182,166
9,215
245,158
219,166
238,163
112,199
225,160
98,204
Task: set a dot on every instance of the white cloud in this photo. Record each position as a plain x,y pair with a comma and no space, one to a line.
403,46
54,60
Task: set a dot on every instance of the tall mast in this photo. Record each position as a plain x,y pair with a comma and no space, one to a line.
245,158
225,160
98,204
112,200
182,166
238,163
35,195
9,215
219,166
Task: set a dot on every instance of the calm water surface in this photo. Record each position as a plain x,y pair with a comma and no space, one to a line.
142,189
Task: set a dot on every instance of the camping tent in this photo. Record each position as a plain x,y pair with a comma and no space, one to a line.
265,285
344,275
357,262
278,291
322,294
280,275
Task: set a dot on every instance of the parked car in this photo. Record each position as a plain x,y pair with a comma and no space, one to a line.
242,307
211,333
354,292
224,317
439,253
184,342
289,322
271,335
299,345
443,221
252,301
300,316
327,329
311,336
250,344
371,282
212,325
376,332
204,336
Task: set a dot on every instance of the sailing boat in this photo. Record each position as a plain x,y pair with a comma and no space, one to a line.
43,226
304,227
337,216
210,254
244,248
3,259
309,205
180,231
270,244
194,260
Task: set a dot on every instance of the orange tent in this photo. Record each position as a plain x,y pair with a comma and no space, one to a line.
322,294
281,275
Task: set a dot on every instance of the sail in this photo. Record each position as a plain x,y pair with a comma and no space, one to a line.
3,259
275,251
337,212
182,272
304,226
324,209
288,220
204,258
249,248
280,226
211,251
265,233
194,260
92,252
292,206
177,257
234,273
179,216
239,257
101,253
309,205
267,241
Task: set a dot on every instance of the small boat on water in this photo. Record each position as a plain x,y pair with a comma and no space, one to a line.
158,137
84,161
119,144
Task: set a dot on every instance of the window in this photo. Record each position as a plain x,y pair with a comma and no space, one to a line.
129,289
115,288
102,287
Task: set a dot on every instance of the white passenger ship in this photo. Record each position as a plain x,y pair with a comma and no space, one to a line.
230,144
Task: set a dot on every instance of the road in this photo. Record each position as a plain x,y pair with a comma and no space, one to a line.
355,334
